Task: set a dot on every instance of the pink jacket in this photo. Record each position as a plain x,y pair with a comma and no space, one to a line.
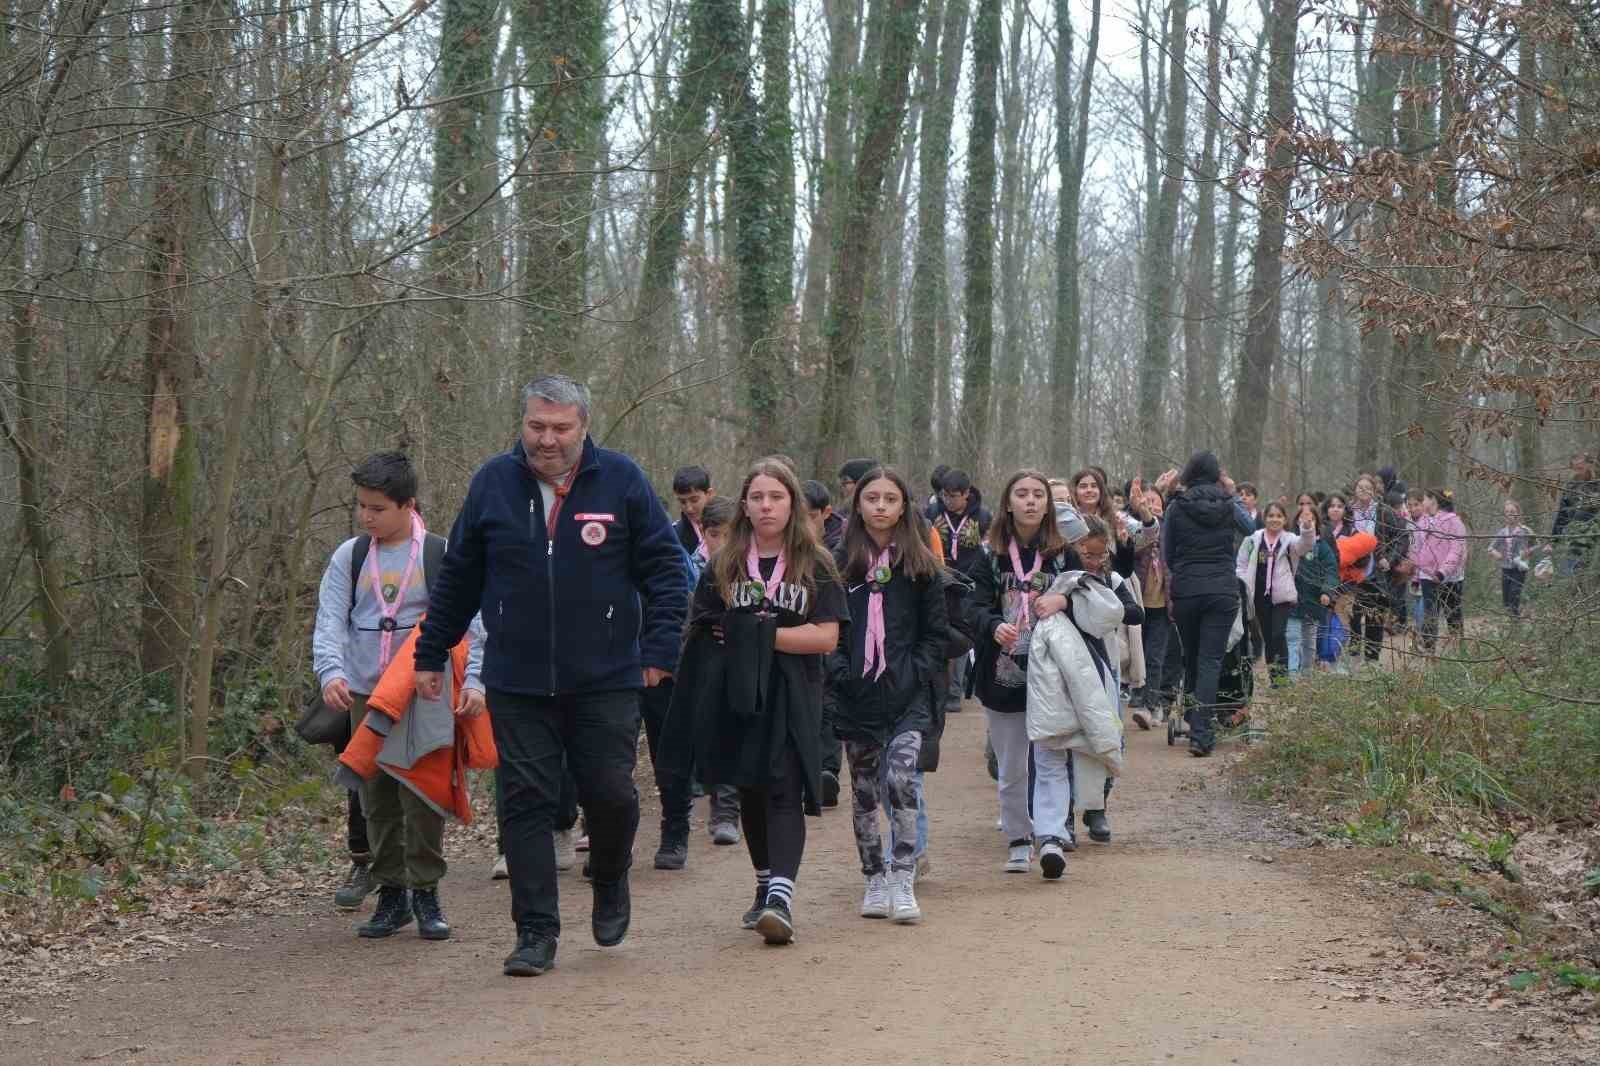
1443,552
1290,548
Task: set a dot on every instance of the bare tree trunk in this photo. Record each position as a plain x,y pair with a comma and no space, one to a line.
1012,248
1156,365
1375,121
1263,333
1200,303
884,115
972,436
1071,155
844,41
1220,329
930,296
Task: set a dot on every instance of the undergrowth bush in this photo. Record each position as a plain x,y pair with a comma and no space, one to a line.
1486,729
92,795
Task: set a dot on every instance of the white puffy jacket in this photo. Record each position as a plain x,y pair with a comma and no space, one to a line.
1071,703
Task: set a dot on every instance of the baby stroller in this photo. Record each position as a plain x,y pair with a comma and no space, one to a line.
1235,687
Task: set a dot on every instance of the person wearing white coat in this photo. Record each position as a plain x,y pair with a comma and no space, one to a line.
1073,714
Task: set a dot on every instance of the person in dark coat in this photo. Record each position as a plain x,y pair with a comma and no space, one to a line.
747,706
1575,516
1197,542
884,679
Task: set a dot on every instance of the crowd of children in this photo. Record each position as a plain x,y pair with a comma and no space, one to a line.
820,637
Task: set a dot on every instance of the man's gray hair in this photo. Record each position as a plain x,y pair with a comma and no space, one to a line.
560,390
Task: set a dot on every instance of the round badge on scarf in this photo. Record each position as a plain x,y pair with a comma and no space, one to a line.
593,534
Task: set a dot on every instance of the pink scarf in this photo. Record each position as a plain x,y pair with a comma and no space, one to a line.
875,634
752,564
1026,581
700,537
955,534
391,610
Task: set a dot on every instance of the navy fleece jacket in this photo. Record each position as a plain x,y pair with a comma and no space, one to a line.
584,610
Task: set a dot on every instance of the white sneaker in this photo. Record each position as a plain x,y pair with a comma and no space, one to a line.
1019,858
566,851
875,901
1052,861
902,889
499,873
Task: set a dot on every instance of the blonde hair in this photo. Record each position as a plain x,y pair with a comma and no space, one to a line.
805,558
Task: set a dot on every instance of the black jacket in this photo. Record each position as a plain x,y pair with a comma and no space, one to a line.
986,613
1580,503
583,608
710,732
963,558
1197,541
904,698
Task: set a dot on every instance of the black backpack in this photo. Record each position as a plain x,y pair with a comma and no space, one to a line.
961,637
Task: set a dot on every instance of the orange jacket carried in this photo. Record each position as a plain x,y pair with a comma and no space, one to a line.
439,777
1352,551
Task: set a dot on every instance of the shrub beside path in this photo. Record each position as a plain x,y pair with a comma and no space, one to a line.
1205,934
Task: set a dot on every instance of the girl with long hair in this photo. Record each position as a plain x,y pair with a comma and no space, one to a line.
884,681
1027,551
1266,563
1442,565
770,596
1314,583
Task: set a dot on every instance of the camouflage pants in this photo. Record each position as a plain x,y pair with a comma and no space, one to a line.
873,766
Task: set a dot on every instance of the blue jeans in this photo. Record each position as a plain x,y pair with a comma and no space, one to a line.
1292,635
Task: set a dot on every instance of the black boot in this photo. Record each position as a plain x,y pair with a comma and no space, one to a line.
1099,828
357,886
430,916
673,854
392,914
612,910
535,954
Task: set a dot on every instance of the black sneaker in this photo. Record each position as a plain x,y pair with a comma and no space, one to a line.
1198,750
535,954
612,911
775,923
393,914
753,915
430,916
1099,828
1052,858
357,886
673,854
830,789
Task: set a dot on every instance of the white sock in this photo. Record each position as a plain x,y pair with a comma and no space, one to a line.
781,890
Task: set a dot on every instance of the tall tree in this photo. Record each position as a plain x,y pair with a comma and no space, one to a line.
1263,332
1375,126
874,155
833,173
929,280
563,50
1071,155
1013,244
1156,364
183,165
1200,303
972,433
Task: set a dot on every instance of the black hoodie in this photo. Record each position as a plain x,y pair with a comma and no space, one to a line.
1197,540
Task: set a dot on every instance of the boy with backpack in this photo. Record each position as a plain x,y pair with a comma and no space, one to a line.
373,592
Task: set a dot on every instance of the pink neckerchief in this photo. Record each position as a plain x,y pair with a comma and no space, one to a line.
1025,580
700,538
1272,557
391,610
875,632
752,564
955,533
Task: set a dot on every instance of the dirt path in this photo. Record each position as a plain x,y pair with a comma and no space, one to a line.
1176,944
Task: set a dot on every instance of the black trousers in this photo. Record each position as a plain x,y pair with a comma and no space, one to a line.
597,736
1274,620
775,821
355,821
675,798
1511,582
566,807
1163,659
1368,618
1203,625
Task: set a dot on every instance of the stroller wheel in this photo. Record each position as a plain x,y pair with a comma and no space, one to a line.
1172,730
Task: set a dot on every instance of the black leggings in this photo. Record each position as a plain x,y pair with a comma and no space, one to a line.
1367,619
1274,618
775,821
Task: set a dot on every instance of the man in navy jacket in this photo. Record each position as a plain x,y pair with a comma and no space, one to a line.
572,560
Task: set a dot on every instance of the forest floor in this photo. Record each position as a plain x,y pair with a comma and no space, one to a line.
1210,931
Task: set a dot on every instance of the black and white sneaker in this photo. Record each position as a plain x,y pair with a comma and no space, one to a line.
775,923
752,915
1052,859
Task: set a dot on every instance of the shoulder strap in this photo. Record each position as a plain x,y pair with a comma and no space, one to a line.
358,559
433,547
